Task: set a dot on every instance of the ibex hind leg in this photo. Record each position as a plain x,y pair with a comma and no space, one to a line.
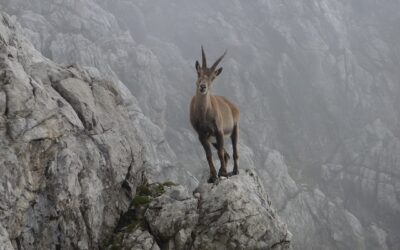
226,155
234,138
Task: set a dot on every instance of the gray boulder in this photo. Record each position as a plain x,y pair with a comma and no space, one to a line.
235,213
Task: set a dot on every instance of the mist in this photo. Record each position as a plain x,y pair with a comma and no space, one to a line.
317,84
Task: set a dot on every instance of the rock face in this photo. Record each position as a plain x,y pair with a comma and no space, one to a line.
316,82
69,157
235,213
75,147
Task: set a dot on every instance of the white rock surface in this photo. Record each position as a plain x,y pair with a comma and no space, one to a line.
73,150
70,152
234,213
315,80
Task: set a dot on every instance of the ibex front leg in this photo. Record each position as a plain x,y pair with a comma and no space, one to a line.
221,154
207,149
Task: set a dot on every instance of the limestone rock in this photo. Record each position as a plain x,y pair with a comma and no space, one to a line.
137,240
307,76
5,243
235,213
174,213
69,156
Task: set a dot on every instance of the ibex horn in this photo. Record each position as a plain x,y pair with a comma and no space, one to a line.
203,58
218,61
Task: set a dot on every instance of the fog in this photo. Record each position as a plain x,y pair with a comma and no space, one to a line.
317,83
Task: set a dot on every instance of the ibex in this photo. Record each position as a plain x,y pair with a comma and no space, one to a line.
213,118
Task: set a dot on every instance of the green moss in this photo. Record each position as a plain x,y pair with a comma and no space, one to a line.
133,226
169,184
143,190
158,190
153,190
116,246
134,217
116,243
140,200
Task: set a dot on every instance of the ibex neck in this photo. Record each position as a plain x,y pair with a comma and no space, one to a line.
203,103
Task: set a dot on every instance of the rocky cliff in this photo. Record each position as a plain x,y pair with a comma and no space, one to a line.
77,154
316,81
234,213
70,155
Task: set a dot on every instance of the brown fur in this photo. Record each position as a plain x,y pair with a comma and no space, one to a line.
214,116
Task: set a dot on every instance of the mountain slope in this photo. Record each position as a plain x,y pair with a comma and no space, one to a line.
70,160
76,152
316,81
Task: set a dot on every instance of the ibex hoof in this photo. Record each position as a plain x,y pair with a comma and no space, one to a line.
233,173
212,179
223,174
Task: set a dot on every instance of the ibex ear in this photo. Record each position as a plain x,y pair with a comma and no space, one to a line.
218,71
198,67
